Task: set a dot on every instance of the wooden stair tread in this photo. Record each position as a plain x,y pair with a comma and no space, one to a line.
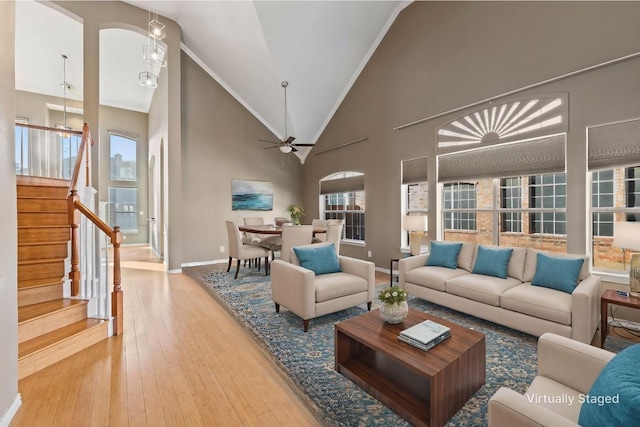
41,181
40,261
60,242
35,311
36,283
55,337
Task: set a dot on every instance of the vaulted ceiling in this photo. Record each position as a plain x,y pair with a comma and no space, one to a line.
249,47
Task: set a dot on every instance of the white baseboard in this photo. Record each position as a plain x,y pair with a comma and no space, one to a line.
196,264
11,412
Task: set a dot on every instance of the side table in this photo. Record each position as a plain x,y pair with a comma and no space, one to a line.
391,271
610,296
391,275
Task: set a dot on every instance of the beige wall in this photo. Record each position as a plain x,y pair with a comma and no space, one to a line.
113,14
442,55
34,107
220,142
9,398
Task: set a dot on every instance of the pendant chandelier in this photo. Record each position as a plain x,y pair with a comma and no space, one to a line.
153,53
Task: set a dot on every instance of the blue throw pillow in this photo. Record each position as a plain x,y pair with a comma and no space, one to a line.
492,261
614,398
444,254
320,260
557,273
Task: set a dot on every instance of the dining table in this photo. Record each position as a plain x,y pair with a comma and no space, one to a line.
273,229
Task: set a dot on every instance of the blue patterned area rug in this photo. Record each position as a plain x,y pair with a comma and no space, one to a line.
308,358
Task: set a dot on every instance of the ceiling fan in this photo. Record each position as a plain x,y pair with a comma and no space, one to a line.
285,145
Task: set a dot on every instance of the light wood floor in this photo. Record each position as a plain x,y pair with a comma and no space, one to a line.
183,361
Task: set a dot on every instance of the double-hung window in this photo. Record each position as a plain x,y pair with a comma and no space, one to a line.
458,199
614,163
343,198
511,198
549,194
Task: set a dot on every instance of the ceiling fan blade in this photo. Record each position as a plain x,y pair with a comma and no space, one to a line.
270,142
269,148
290,139
293,149
304,145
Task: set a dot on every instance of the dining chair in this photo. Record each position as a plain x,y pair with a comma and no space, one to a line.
334,235
335,221
279,221
241,251
292,236
252,237
319,223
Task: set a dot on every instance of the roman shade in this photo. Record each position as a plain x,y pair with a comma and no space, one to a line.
342,185
614,145
530,157
414,170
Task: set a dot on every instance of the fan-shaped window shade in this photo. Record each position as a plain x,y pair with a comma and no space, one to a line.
613,145
342,185
531,157
414,170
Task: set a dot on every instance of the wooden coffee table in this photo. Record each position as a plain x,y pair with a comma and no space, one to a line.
424,388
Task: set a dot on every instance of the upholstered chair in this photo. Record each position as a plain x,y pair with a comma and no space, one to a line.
294,235
241,251
252,237
334,235
311,294
567,369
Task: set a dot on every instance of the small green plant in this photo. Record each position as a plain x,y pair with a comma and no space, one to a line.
295,212
392,295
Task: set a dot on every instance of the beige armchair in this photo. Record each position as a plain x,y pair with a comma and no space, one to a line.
310,296
566,368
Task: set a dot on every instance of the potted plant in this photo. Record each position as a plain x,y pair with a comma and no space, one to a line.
393,307
295,212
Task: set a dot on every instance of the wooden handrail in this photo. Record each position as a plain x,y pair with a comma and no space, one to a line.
69,131
86,136
76,207
95,219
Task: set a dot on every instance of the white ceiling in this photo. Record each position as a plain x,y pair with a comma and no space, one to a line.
249,47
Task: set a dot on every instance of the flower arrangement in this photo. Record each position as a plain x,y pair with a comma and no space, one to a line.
296,212
392,295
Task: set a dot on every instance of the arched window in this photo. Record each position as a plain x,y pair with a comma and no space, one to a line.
343,198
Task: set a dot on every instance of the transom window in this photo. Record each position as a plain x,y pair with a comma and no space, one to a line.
520,119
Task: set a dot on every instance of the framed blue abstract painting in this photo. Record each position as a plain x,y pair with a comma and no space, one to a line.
251,195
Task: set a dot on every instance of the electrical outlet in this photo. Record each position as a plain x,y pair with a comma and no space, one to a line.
221,248
369,253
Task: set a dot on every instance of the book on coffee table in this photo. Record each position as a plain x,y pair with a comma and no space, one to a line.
425,334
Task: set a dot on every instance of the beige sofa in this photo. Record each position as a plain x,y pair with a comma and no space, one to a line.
566,370
511,302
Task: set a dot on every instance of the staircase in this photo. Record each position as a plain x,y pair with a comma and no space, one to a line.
50,327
